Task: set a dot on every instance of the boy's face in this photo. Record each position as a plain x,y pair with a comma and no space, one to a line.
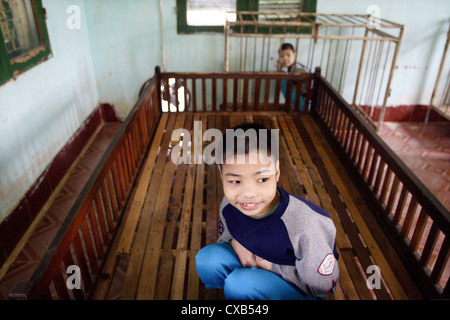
251,188
287,57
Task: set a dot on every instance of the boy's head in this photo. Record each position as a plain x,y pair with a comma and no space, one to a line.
250,168
287,54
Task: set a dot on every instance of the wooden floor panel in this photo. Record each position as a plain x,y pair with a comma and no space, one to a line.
174,212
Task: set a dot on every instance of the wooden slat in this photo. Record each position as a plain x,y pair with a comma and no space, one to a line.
183,235
90,251
147,280
100,216
204,105
68,261
288,97
60,285
224,95
235,94
138,249
194,95
341,180
245,95
142,186
341,240
173,213
196,228
105,200
178,215
441,261
211,200
325,201
82,262
94,227
257,94
113,194
276,102
266,94
214,95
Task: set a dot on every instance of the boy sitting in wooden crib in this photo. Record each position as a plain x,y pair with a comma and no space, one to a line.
287,62
272,245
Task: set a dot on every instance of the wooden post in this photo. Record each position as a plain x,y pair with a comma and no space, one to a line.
158,85
315,91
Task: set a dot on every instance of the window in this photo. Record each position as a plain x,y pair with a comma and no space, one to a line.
209,15
203,15
23,37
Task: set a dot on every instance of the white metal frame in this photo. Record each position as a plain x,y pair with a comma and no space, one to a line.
343,45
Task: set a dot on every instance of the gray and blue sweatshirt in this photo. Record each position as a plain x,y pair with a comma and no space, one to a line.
298,237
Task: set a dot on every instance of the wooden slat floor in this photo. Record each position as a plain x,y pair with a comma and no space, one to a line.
174,209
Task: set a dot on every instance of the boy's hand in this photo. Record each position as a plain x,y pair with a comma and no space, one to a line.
263,264
246,257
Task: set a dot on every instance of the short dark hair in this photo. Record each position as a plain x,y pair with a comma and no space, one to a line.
286,46
240,132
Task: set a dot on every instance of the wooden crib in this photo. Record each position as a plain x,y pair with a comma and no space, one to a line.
140,207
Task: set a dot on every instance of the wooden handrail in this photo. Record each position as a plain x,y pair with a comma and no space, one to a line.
235,91
85,234
403,203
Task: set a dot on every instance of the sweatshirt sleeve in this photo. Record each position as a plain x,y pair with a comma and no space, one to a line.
316,269
224,233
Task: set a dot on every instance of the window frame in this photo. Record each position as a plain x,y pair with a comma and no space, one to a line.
184,28
11,68
241,5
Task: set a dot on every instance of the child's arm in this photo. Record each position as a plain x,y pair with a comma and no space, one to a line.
246,257
316,270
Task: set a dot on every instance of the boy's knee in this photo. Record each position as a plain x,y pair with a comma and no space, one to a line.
214,263
210,255
202,256
242,284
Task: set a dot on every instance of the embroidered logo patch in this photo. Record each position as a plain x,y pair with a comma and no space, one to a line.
327,266
220,227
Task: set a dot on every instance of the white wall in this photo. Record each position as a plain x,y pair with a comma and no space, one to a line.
43,107
426,24
126,41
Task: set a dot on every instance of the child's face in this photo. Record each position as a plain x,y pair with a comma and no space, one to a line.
287,57
251,188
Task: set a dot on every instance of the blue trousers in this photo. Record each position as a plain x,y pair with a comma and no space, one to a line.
219,267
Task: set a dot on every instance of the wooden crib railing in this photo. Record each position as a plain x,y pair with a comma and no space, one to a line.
86,233
235,91
415,220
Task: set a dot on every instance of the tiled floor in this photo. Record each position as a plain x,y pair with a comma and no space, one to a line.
425,149
24,265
